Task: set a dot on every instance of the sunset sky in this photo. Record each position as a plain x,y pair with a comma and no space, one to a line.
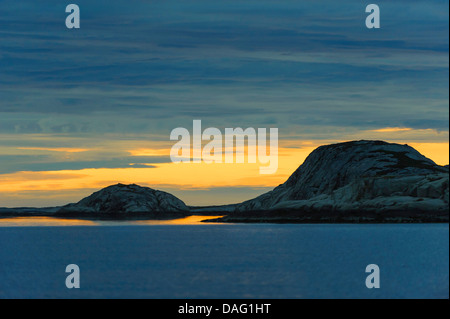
84,109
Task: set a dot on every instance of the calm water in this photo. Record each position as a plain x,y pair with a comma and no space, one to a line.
192,260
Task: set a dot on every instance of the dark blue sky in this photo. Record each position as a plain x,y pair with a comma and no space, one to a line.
290,62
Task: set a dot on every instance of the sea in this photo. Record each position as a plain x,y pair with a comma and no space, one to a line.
188,259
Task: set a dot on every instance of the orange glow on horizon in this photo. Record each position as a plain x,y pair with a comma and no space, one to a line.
438,152
182,176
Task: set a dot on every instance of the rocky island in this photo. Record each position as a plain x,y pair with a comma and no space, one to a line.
358,181
127,200
351,182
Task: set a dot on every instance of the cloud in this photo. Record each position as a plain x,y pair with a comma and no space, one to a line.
66,154
392,129
61,149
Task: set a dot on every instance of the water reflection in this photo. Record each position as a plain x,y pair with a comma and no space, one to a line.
190,220
53,221
43,221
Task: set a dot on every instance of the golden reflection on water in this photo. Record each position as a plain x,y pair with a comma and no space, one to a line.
43,221
190,220
52,221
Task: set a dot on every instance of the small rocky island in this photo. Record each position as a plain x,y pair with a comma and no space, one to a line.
127,200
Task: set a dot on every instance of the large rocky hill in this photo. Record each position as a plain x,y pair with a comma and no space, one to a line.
360,176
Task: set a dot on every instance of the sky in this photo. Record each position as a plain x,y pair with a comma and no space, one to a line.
81,109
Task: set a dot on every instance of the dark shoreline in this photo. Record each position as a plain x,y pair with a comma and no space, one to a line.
362,220
353,217
278,217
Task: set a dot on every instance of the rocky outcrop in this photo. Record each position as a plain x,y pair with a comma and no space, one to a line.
127,199
364,176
